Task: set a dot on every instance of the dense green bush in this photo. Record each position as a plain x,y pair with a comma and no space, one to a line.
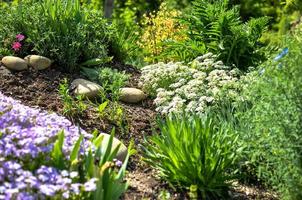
196,153
272,122
281,12
215,26
61,30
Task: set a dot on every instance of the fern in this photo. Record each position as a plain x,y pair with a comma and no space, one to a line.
216,27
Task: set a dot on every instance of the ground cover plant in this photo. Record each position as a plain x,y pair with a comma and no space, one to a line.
42,156
178,87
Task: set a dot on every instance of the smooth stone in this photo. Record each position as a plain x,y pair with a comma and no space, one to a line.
132,95
38,62
14,63
122,151
85,88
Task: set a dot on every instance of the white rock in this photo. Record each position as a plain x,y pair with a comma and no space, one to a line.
85,87
132,95
122,151
14,63
38,62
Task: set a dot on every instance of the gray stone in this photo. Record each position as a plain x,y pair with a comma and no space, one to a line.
14,63
122,151
132,95
85,88
38,62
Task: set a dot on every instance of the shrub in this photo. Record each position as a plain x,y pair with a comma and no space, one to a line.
192,88
272,121
192,152
43,156
61,30
157,28
282,13
125,46
213,26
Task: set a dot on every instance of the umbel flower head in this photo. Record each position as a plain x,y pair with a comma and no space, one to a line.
190,88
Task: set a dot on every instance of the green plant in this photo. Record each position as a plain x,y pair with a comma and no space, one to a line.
193,153
193,87
72,108
125,46
97,163
159,27
112,111
110,79
214,26
60,30
283,13
271,121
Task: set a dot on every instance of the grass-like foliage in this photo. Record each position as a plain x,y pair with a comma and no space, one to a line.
215,26
192,152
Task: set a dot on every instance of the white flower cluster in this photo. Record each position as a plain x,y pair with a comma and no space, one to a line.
191,88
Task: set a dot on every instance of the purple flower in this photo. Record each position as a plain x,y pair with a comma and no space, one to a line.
66,195
48,190
20,37
117,163
26,141
90,185
75,187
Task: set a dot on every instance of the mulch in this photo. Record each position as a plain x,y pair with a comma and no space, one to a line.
40,89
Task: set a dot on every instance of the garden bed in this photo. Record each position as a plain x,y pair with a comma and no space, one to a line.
40,89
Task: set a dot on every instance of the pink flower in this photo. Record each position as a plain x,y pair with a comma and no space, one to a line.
16,46
20,37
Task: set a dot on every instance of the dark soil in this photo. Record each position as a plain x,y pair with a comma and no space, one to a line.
40,89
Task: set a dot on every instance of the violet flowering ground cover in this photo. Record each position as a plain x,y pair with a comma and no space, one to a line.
27,136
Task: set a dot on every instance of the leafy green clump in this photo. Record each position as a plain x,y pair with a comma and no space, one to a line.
72,108
272,122
195,153
215,26
61,30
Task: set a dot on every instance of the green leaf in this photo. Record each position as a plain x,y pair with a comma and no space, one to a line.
102,107
57,152
98,141
96,61
76,149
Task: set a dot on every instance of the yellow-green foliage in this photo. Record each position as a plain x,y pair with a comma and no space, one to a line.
128,14
158,28
92,4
